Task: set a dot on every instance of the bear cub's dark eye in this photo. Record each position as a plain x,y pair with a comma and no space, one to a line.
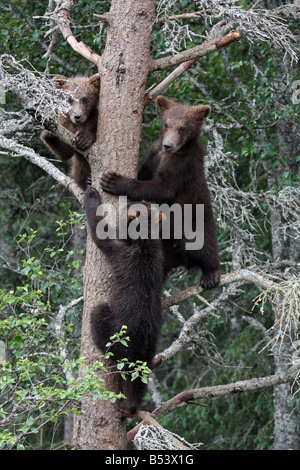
84,100
182,128
166,125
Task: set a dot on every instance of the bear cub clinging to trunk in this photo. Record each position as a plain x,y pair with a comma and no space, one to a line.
135,299
82,94
173,172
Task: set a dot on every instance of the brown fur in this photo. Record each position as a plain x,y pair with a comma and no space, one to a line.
135,299
173,172
82,94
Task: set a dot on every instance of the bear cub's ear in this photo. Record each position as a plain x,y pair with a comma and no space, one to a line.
95,80
201,112
59,82
164,103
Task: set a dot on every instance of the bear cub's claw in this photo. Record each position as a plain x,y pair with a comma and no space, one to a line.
210,279
111,182
84,140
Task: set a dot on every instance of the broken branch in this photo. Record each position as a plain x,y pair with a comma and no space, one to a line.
168,80
208,46
183,16
80,47
28,153
256,383
183,398
212,44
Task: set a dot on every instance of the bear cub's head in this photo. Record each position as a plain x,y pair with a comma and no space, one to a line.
82,95
180,123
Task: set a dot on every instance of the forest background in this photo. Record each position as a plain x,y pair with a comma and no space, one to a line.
245,329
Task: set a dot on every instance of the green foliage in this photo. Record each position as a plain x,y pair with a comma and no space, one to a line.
22,30
39,377
139,369
64,262
37,383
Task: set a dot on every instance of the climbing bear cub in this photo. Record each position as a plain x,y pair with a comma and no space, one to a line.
135,299
82,94
173,172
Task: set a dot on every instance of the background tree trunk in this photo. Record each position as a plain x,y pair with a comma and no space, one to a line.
124,69
286,251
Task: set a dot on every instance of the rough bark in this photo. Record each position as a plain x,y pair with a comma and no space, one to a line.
285,249
124,69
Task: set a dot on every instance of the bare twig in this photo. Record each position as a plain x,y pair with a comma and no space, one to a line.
59,15
258,383
183,16
220,36
183,398
80,47
242,275
58,325
28,153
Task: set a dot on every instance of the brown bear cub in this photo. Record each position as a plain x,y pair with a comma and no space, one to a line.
82,94
135,299
173,172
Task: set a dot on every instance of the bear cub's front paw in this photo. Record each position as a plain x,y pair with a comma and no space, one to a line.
112,182
210,279
83,140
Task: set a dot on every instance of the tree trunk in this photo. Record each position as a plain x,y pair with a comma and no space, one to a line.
286,250
124,69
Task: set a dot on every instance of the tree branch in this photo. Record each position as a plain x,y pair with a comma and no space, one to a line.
185,336
159,89
220,36
183,398
48,167
183,16
208,46
258,25
242,275
60,15
80,47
